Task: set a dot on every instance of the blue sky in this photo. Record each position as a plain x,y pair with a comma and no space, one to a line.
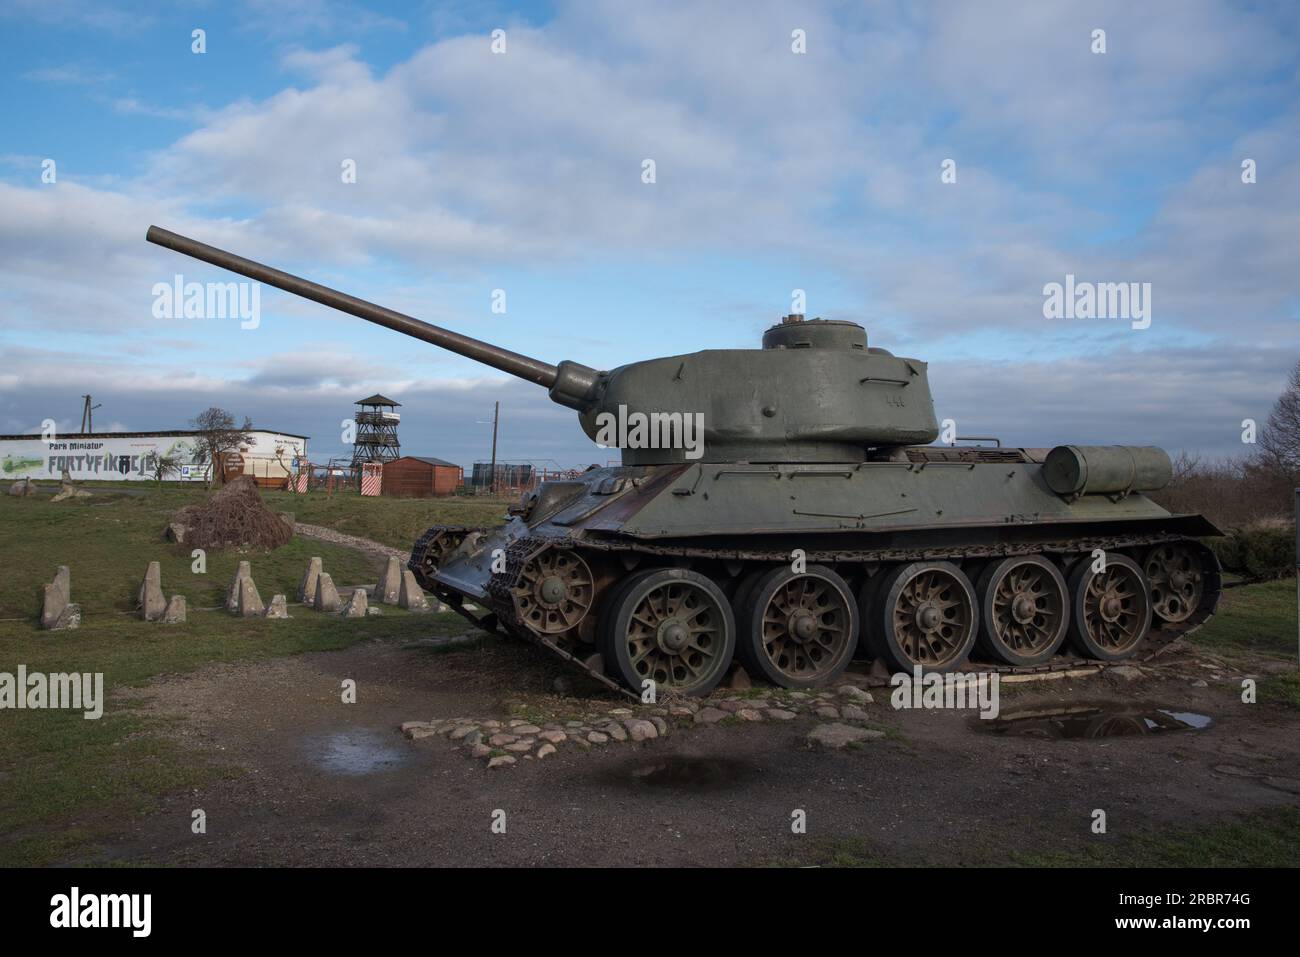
775,172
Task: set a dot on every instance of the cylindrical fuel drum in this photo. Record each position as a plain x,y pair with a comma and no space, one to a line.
1072,470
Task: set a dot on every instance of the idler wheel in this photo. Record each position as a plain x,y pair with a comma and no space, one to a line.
923,613
1111,611
798,630
437,550
671,626
1177,579
554,591
1023,610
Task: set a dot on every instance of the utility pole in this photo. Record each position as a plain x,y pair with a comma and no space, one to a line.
88,415
496,414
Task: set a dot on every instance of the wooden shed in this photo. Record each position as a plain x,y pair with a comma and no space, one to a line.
418,476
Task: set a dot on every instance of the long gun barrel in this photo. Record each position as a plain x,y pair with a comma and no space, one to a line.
570,383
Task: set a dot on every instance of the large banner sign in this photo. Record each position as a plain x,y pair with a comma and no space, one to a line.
94,458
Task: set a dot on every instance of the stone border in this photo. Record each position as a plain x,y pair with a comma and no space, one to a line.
503,742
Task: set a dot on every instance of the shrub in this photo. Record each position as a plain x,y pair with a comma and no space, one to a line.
1262,549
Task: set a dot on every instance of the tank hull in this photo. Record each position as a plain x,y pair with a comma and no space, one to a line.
863,522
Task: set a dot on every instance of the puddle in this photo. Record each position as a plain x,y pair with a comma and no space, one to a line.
682,773
1093,721
355,751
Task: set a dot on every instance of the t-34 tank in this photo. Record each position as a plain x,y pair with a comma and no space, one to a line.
782,507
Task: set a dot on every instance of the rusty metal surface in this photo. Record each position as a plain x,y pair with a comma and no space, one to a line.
961,454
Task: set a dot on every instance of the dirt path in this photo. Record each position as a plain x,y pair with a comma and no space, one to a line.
333,783
321,533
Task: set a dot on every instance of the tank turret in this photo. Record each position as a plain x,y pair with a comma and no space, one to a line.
814,392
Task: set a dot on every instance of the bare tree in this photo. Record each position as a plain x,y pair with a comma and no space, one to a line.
1279,440
217,435
1186,466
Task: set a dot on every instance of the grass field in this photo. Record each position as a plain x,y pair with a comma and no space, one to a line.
1253,621
393,521
1256,618
63,779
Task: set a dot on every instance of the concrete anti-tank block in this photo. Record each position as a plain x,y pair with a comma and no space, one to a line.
150,600
327,596
307,588
411,596
357,605
390,582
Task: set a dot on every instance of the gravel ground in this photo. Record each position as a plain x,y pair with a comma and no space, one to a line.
322,782
321,533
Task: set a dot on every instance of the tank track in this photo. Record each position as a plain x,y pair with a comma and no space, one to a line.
441,540
501,596
428,552
431,548
1160,639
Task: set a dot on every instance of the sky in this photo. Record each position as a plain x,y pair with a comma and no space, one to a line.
924,169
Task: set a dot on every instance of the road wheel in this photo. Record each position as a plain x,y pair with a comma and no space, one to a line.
1111,611
1024,610
554,591
798,630
671,626
1177,580
923,613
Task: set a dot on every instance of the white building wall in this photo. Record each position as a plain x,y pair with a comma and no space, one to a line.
117,458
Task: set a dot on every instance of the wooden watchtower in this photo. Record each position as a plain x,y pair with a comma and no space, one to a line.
376,439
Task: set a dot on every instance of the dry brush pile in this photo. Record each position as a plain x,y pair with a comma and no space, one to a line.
234,516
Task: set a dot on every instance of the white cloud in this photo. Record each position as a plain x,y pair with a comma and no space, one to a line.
295,17
830,161
97,15
1178,399
133,107
74,74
